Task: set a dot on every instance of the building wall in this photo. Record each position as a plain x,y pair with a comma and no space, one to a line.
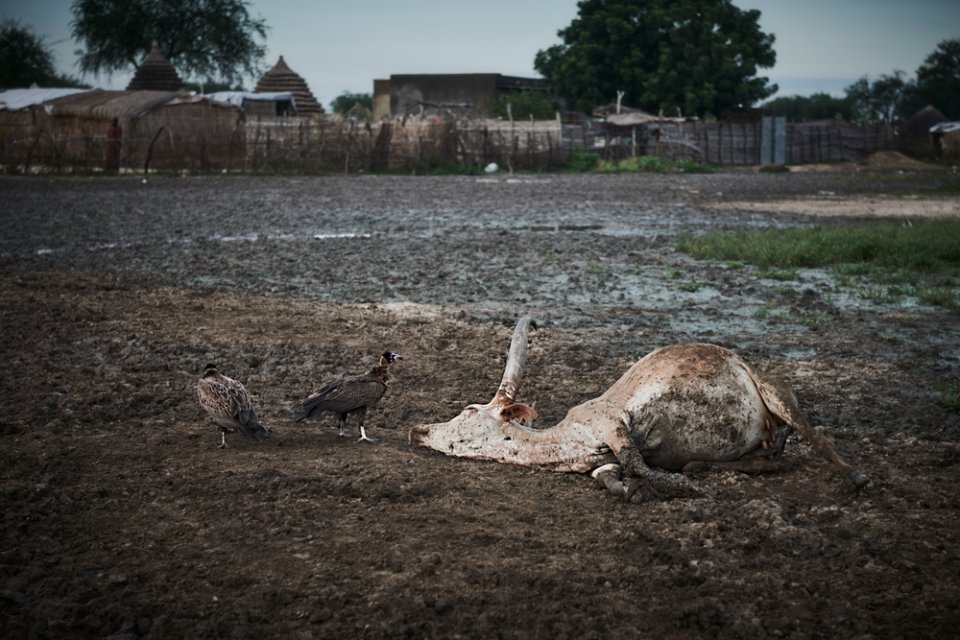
947,146
381,99
478,90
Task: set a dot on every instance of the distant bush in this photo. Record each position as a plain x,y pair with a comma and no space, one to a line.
358,105
582,161
524,104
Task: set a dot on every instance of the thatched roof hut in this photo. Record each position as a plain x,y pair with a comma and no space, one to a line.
945,137
280,103
162,129
155,73
915,132
106,105
283,78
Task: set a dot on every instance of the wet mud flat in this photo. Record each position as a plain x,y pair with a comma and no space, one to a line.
121,518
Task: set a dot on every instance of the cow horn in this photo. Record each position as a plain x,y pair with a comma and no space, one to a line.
516,361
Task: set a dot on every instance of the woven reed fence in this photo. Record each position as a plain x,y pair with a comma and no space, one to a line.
741,143
410,144
323,145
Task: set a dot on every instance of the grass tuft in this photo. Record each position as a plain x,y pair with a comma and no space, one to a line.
652,164
924,247
950,395
892,258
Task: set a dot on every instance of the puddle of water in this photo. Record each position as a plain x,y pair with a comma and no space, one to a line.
562,227
226,239
250,237
334,236
288,237
799,354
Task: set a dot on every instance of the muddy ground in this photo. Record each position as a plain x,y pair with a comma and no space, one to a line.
121,518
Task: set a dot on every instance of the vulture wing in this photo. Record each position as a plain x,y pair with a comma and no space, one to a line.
340,396
229,404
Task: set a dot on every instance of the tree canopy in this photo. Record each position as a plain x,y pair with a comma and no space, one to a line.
938,79
25,59
200,38
817,106
889,96
524,104
359,105
699,56
880,100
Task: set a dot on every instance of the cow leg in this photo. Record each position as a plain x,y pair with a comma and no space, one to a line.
609,478
632,473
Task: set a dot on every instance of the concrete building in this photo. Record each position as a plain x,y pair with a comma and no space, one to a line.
469,94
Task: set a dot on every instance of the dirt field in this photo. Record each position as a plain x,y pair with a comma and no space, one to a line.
121,518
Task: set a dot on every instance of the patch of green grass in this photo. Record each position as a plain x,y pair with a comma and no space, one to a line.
887,335
949,190
767,313
854,269
938,296
581,161
813,320
689,286
879,294
891,258
950,395
779,274
922,247
692,166
842,280
652,164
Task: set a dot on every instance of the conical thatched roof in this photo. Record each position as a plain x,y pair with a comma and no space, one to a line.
919,123
155,73
283,78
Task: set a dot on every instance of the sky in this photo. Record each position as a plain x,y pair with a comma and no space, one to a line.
338,46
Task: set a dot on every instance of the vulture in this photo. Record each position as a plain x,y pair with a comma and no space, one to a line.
346,396
228,403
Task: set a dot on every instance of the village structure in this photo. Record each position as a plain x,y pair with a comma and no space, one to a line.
418,121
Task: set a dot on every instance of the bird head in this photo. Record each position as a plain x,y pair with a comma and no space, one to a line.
210,370
388,357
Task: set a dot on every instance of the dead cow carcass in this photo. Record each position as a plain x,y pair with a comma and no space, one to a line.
680,408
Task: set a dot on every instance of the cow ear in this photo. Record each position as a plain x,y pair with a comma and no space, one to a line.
517,412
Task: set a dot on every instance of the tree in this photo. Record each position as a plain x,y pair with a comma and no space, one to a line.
818,106
359,105
213,85
700,56
938,79
524,104
25,59
881,100
200,38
